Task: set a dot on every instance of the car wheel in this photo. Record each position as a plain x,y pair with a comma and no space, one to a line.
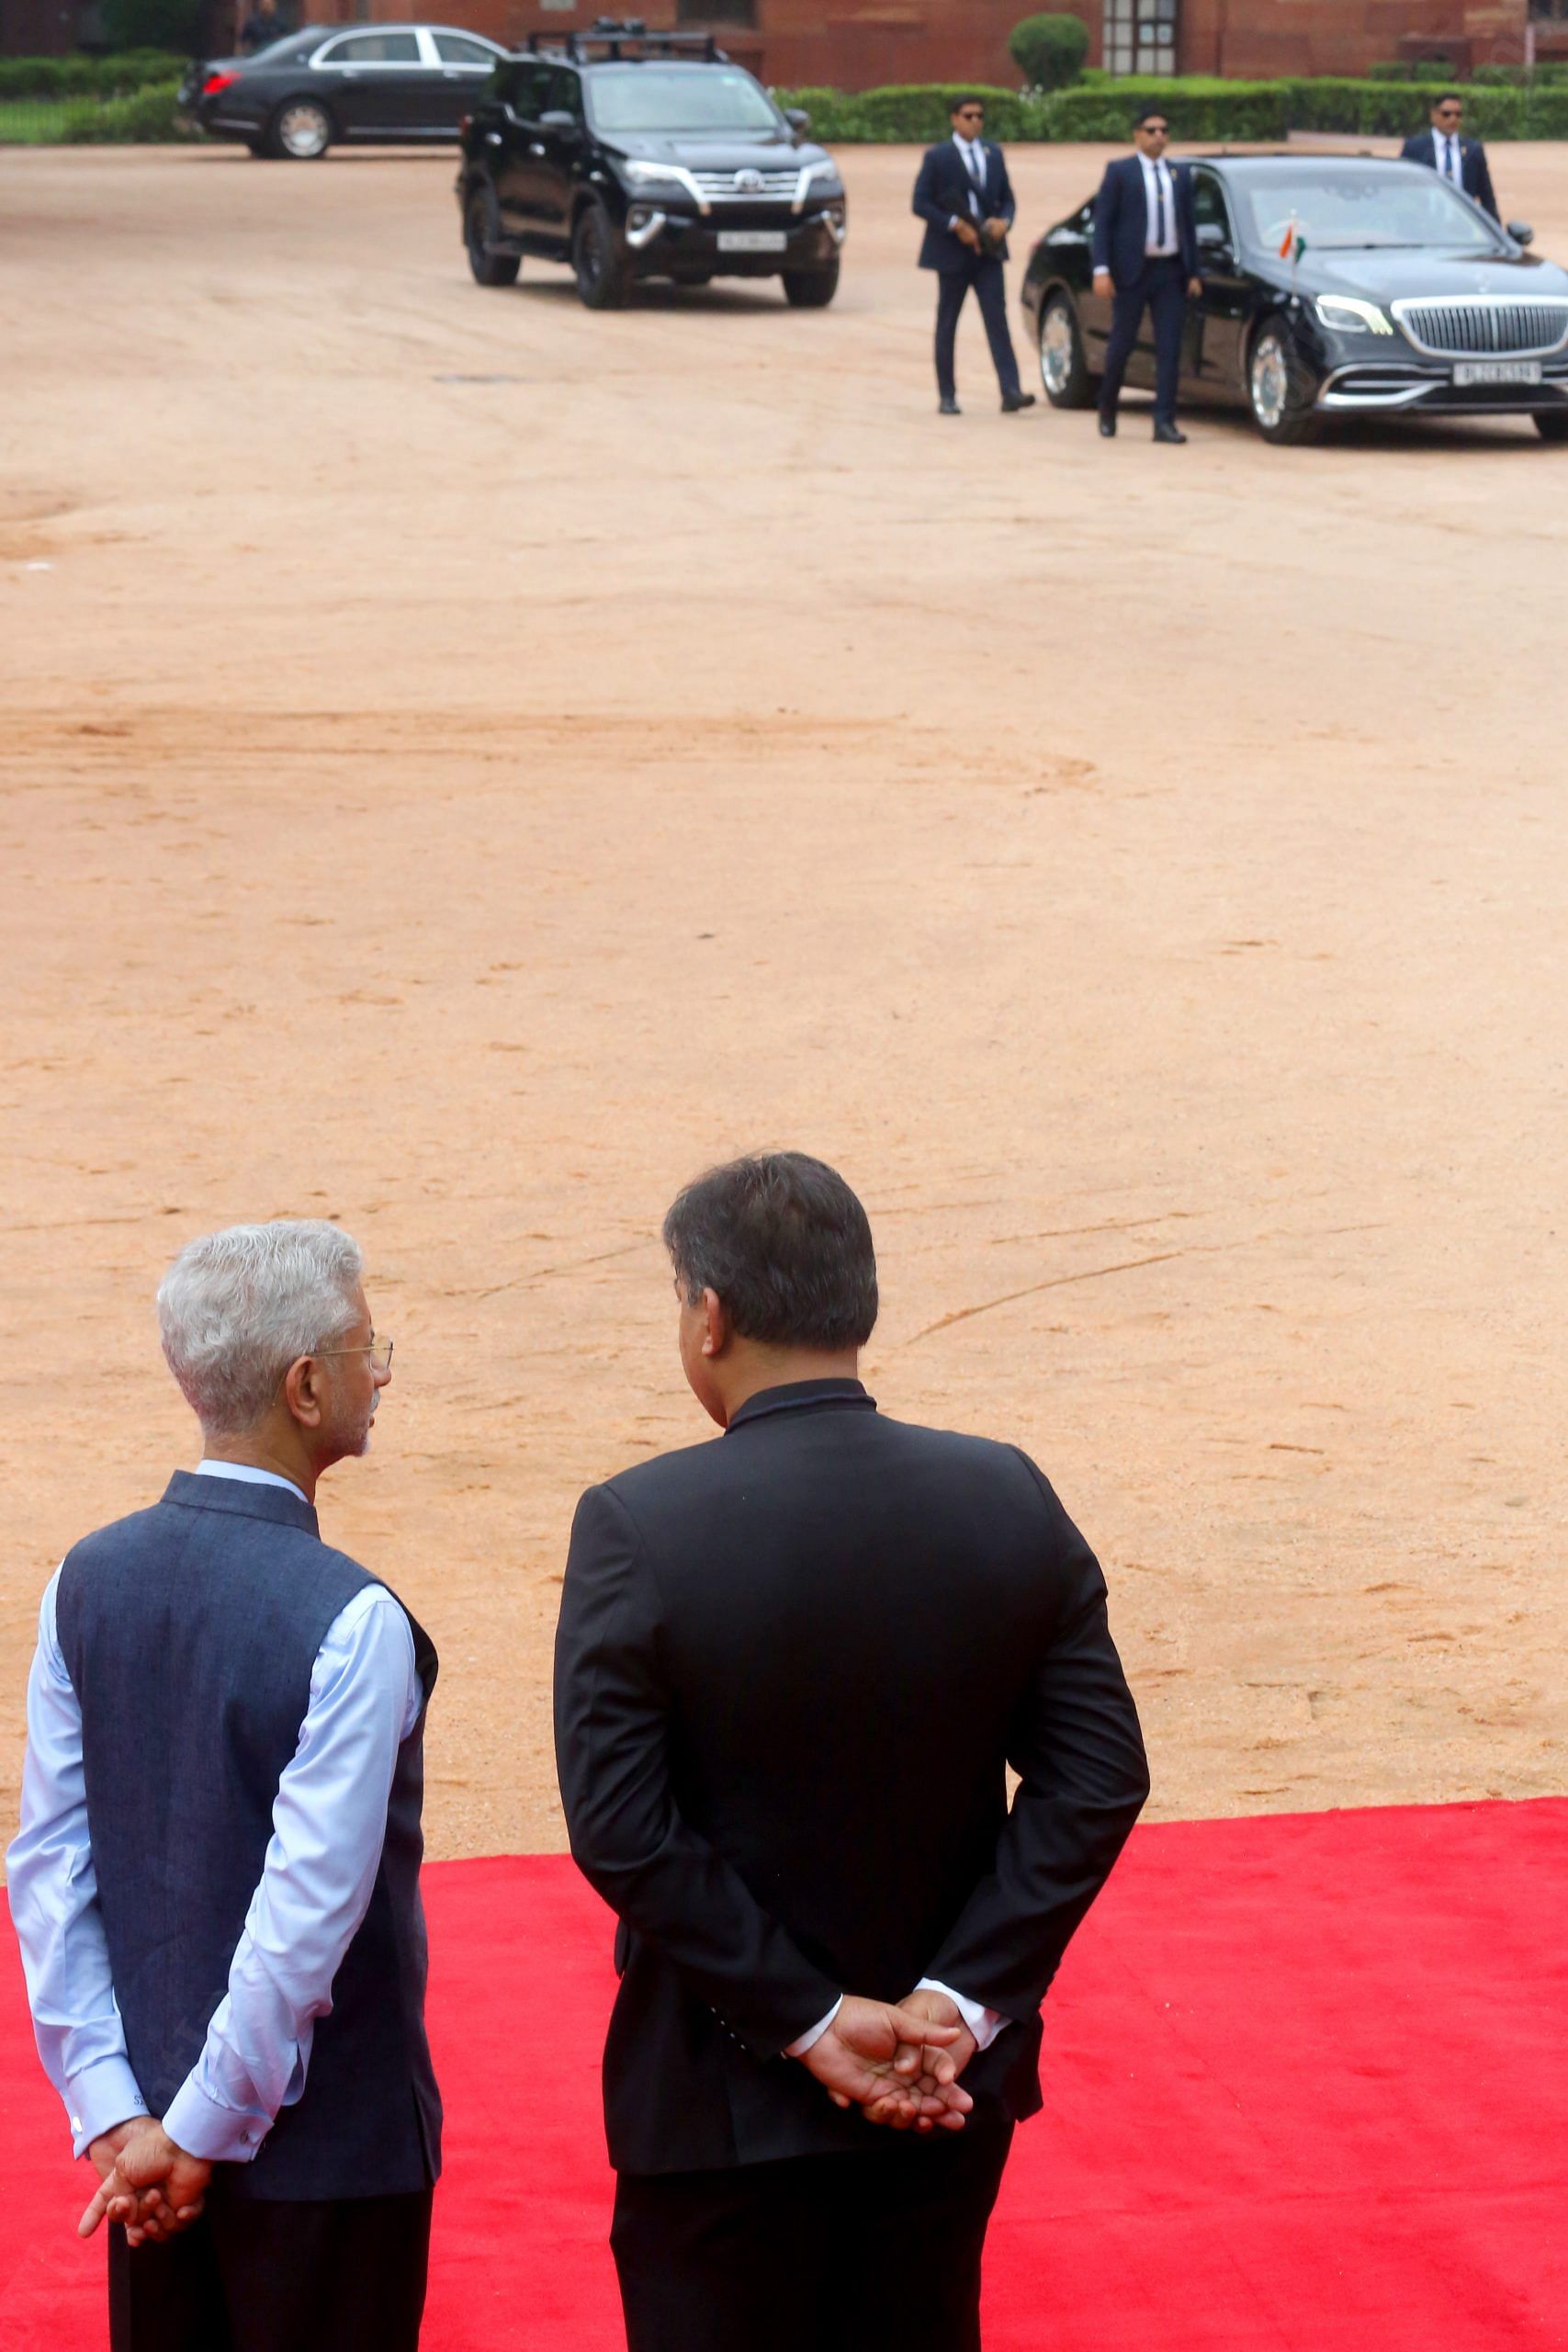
599,259
299,131
1552,423
1063,368
489,268
810,289
1279,391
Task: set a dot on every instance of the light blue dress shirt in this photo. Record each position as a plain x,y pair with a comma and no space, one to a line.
328,1825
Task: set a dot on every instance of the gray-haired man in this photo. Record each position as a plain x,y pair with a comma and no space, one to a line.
216,1886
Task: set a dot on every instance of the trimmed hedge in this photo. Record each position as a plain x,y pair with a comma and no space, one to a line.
913,112
144,117
85,78
1202,107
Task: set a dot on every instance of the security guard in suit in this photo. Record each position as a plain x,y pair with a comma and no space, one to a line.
1461,161
965,198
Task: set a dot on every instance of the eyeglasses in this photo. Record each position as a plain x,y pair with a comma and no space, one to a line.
1155,129
971,114
378,1350
1450,114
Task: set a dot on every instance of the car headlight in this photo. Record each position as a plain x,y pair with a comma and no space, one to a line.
1346,311
651,175
826,170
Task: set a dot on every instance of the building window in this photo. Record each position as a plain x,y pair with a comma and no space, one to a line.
1140,36
702,13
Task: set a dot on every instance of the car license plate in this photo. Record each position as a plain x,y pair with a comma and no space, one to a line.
751,241
1497,371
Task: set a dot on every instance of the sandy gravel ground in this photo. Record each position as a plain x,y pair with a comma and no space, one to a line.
469,762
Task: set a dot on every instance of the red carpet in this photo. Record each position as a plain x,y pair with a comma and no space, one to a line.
1306,2090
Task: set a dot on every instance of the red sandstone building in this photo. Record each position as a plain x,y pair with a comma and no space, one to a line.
859,44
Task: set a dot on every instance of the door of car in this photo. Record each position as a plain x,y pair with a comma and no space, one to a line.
1219,318
372,82
562,142
462,66
514,145
1094,323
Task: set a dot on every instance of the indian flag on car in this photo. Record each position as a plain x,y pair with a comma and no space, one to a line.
1293,244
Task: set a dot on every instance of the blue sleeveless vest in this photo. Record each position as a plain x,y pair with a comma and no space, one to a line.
189,1632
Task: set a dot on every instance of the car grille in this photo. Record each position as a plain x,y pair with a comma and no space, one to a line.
1464,326
781,186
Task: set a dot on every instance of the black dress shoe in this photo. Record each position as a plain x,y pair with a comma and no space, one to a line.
1108,426
949,408
1013,401
1168,433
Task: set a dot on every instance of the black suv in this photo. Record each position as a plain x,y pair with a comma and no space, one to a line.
636,154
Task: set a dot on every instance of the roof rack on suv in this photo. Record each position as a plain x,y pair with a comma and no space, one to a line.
617,39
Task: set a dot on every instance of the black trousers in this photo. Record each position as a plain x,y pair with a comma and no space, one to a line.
984,273
873,2252
1161,289
263,2274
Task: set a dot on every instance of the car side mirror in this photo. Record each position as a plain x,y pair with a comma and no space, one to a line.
1522,233
798,121
558,120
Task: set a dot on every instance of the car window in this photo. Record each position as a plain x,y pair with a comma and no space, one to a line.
1357,211
456,49
290,45
520,87
375,49
564,95
679,97
1209,204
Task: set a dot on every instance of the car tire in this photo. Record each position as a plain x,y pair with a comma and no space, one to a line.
810,289
1063,371
300,131
489,267
1280,391
599,259
1552,423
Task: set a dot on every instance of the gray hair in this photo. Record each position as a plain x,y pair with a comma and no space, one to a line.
238,1308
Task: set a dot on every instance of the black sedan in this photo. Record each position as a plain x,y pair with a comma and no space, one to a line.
1333,285
378,85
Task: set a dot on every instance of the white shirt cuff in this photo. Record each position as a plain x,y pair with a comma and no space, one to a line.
805,2041
983,2023
218,2135
101,2096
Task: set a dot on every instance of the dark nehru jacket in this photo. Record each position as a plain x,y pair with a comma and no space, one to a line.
189,1632
792,1667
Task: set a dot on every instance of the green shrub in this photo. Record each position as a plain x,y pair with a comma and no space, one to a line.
1049,52
142,117
1199,107
152,24
910,113
82,77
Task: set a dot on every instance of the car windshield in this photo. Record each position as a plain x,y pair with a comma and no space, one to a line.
1350,212
678,97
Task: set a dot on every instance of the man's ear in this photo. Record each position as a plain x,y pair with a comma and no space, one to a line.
715,1325
302,1391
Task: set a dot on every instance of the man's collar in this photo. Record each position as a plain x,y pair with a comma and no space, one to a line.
794,1396
243,1499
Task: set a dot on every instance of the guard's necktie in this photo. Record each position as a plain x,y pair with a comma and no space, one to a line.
1161,240
976,170
1453,159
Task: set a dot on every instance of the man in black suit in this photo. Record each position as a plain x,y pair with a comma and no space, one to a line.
964,196
1462,162
791,1669
1145,258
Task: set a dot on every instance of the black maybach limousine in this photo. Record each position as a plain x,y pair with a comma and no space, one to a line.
632,154
1334,286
